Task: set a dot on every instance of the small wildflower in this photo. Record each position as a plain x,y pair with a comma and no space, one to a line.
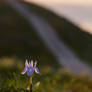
30,68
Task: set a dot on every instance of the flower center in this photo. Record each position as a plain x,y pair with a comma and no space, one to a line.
30,70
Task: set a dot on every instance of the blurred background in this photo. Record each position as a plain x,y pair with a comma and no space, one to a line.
79,12
56,33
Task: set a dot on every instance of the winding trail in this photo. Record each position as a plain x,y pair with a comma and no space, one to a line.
60,50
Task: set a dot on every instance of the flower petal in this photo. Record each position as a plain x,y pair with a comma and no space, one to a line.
30,71
24,71
26,64
37,70
35,64
31,64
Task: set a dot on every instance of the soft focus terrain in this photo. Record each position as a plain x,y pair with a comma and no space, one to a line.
18,37
19,41
49,81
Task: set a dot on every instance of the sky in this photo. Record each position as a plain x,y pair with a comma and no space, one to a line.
77,11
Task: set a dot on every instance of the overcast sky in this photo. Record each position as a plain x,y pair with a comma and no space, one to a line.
77,11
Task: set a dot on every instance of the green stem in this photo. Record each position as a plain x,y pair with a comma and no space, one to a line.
31,84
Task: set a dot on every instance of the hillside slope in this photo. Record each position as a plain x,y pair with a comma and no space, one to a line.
18,38
75,38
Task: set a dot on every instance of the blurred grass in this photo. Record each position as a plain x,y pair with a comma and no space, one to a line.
48,82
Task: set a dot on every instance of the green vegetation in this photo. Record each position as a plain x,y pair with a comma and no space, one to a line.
49,81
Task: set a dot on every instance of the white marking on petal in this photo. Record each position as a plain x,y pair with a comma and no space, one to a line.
24,71
35,63
37,70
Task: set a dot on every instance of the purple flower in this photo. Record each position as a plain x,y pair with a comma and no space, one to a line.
30,68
